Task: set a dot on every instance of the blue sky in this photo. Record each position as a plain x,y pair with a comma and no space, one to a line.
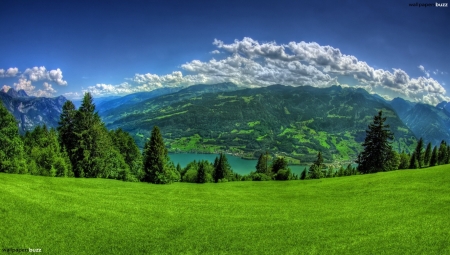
52,48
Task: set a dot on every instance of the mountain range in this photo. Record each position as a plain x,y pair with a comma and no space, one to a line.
32,111
293,121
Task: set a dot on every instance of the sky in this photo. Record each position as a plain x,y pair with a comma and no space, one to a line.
110,48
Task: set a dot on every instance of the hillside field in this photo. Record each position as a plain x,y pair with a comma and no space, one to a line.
399,212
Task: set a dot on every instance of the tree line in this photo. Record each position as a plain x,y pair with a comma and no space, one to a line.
81,146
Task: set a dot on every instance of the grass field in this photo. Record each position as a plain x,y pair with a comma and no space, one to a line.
400,212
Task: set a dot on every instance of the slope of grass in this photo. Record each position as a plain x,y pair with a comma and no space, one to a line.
401,212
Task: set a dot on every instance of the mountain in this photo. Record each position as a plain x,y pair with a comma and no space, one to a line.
426,121
139,102
32,111
132,99
294,121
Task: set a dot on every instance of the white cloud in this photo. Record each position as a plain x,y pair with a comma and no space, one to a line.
5,88
25,85
427,73
250,63
48,87
10,72
41,73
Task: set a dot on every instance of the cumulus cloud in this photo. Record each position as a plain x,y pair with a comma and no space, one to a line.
25,85
427,73
10,72
250,63
41,73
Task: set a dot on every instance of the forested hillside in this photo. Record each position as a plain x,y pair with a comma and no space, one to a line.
295,121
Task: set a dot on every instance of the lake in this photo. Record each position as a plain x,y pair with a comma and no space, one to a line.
239,165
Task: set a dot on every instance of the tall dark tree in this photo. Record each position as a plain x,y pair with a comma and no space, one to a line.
222,169
443,153
262,165
315,171
303,174
419,153
413,162
66,130
94,154
434,157
377,146
202,176
11,145
427,156
158,168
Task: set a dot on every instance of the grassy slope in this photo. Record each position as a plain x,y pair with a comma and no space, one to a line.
401,212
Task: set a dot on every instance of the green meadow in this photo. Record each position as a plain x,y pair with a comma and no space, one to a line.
398,212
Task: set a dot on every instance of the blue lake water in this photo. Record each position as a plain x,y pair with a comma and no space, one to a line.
239,165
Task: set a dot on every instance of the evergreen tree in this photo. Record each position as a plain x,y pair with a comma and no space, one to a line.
303,174
404,161
66,130
179,168
419,153
280,169
94,154
413,163
393,161
44,153
262,165
201,173
376,146
158,168
279,163
127,147
11,145
222,170
315,171
427,156
443,154
434,157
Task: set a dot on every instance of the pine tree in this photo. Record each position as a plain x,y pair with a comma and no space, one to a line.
434,157
201,173
443,154
427,156
262,166
11,145
222,169
66,130
303,174
158,168
413,163
419,153
376,146
315,171
94,154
